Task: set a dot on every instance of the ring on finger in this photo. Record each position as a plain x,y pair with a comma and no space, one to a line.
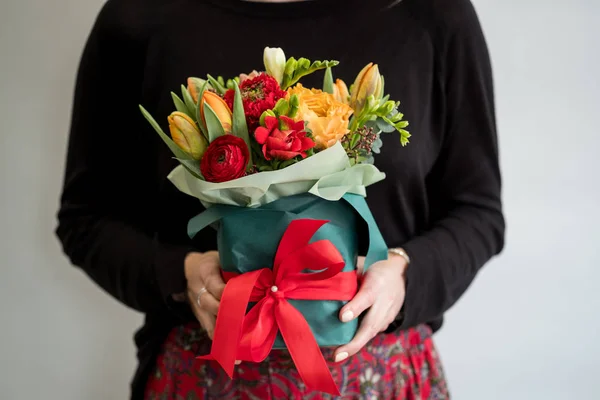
200,293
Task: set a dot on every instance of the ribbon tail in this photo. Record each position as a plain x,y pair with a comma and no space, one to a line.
304,349
230,319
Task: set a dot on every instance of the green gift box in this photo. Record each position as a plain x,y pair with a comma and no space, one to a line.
248,239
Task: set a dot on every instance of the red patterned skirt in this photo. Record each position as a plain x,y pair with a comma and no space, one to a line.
401,365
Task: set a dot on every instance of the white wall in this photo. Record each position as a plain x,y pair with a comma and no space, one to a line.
524,331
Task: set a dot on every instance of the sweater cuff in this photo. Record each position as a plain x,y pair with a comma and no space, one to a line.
170,270
418,285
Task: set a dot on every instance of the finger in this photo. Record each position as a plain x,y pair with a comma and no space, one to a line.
214,284
370,326
208,303
361,301
207,321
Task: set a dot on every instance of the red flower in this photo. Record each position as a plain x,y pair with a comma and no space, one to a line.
259,94
283,144
225,159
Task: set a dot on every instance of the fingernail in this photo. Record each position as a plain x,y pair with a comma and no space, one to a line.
347,316
238,362
341,356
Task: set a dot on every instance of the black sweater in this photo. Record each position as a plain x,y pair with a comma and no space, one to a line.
124,223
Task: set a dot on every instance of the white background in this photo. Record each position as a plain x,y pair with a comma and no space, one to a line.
528,328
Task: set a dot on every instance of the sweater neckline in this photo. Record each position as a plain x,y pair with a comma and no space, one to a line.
292,9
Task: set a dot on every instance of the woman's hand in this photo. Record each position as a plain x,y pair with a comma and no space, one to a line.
382,292
202,270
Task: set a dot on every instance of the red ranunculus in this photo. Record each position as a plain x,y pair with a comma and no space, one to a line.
259,94
225,159
283,144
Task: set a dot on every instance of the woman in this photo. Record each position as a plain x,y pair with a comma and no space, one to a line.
439,208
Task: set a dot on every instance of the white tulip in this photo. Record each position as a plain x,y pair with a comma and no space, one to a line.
274,59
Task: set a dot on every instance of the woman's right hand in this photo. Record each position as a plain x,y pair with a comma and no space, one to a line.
202,270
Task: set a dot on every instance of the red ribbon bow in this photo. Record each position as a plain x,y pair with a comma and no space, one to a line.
250,337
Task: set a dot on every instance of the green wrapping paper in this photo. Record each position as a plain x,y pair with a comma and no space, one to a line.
248,239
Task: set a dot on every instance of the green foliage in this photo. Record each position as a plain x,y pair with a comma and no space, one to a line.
328,81
296,69
213,125
240,127
217,85
180,154
181,106
231,83
199,119
189,102
193,167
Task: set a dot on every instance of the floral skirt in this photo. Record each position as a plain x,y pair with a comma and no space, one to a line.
400,365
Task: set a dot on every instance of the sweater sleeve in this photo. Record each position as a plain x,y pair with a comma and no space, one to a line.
104,220
466,176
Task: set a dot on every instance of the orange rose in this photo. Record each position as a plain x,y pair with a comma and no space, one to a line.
326,117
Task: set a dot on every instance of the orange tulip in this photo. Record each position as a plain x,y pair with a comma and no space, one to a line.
220,108
340,92
186,135
194,86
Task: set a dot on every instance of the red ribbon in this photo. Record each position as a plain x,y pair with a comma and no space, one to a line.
250,337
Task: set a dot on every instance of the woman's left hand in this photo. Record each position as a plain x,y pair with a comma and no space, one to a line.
382,293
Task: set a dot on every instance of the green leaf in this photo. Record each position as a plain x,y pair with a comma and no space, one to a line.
168,141
189,102
217,85
180,105
328,81
287,163
201,123
240,127
385,126
376,146
193,167
213,125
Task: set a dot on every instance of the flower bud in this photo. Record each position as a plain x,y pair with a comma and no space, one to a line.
220,108
368,82
340,91
186,135
274,59
268,113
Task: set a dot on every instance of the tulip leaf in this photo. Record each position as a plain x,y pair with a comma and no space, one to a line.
213,125
179,153
189,102
240,127
181,106
217,85
201,122
328,81
192,166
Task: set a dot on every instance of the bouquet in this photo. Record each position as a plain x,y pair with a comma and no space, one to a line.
282,171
